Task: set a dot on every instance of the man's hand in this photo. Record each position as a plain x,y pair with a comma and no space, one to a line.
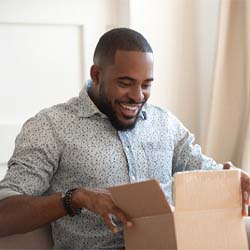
245,187
100,202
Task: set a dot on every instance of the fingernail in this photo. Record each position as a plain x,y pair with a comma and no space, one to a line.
129,224
245,210
245,196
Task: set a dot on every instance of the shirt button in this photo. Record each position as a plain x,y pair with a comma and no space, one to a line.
133,177
127,148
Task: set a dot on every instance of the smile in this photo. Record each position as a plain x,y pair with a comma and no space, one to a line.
130,107
130,110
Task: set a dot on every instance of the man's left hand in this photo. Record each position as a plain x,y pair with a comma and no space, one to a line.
245,187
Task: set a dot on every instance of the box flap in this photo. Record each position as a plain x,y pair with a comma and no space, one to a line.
211,229
203,190
140,199
154,232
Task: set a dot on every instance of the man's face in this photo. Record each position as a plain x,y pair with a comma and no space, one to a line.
124,87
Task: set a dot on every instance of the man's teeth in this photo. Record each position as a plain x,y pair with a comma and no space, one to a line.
129,107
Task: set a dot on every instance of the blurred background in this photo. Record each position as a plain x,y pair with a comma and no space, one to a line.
201,52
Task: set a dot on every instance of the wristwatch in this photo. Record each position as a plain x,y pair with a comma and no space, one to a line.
67,203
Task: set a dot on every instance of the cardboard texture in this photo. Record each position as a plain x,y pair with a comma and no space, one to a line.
207,212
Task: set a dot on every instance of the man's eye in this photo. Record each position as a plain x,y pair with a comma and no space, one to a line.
146,86
124,84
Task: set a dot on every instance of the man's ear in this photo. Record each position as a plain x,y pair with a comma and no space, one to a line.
94,73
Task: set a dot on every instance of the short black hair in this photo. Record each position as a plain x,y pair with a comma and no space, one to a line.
119,39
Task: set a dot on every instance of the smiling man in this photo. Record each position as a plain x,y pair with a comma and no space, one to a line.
121,80
67,156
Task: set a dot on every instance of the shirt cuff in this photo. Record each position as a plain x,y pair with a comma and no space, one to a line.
219,166
7,192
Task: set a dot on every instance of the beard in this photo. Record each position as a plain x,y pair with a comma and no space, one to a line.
105,107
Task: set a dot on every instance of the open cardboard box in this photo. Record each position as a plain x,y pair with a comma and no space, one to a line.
207,212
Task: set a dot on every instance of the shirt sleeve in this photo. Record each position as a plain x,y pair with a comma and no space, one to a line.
187,155
34,161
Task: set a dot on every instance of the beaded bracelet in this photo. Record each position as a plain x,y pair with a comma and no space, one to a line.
67,203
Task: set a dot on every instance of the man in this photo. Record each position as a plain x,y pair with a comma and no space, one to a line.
107,136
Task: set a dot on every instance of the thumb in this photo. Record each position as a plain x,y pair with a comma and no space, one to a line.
228,165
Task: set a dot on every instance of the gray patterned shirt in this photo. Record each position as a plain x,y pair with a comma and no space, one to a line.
74,145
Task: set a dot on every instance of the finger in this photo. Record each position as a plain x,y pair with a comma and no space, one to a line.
111,225
245,198
245,183
228,165
244,210
122,217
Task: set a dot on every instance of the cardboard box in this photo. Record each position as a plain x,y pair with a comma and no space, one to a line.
207,212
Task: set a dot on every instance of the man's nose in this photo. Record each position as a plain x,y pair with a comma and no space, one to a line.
136,94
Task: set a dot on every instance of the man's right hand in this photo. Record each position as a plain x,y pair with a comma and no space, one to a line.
100,202
24,213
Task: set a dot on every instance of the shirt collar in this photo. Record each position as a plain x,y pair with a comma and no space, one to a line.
88,108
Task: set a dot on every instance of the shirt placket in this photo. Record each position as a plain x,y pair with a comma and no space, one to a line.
127,147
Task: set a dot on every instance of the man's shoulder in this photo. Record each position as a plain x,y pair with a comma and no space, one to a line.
157,111
162,115
57,114
71,107
159,117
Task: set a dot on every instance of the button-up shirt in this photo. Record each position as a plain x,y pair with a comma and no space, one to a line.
74,145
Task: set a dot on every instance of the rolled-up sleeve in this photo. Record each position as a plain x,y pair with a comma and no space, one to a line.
34,161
